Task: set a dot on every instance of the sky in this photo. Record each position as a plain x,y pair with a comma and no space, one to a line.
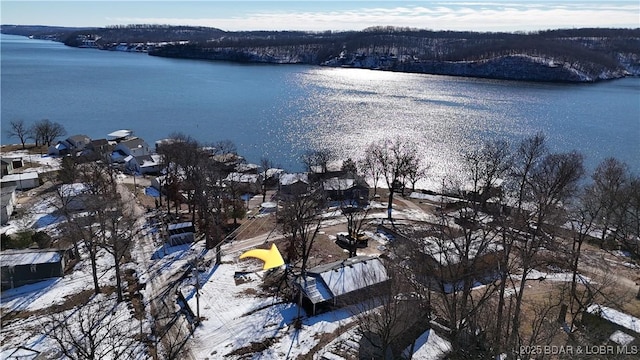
320,15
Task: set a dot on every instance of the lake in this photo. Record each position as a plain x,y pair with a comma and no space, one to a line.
279,111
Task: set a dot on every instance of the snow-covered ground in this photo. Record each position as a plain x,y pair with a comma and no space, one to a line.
41,163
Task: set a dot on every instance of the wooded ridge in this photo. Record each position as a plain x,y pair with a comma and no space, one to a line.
566,55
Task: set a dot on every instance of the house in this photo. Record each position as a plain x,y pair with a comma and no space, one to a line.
247,168
144,164
228,161
71,145
22,181
293,184
340,282
244,183
181,233
346,190
445,260
134,147
98,149
608,326
442,257
22,267
8,201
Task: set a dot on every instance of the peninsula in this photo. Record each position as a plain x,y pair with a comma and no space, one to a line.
569,55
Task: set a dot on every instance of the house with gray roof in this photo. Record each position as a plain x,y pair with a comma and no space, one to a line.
340,282
70,145
293,184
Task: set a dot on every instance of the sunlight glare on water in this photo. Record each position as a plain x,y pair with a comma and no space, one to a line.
353,108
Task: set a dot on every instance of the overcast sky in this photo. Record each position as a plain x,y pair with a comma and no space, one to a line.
492,15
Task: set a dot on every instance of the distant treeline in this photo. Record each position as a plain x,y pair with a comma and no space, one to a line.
591,51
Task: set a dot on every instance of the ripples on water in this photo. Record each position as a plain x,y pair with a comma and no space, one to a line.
350,108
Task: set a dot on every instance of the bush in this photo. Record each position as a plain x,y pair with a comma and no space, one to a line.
42,239
20,240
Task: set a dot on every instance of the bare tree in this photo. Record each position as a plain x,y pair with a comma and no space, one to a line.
265,165
526,158
94,331
486,166
45,132
529,153
356,217
416,171
389,315
553,184
301,224
394,159
317,160
370,167
610,180
18,129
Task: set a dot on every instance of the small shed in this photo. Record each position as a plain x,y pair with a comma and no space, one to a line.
22,267
340,282
181,233
22,181
8,201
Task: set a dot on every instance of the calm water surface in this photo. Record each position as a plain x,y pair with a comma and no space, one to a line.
279,111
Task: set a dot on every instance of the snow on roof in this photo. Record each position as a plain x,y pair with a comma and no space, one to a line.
179,225
242,178
288,179
60,146
74,189
625,320
429,346
273,172
446,253
621,338
120,133
28,257
352,274
20,177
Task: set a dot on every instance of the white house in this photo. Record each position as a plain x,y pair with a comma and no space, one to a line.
22,181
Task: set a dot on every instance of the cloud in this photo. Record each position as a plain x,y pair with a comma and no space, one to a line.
479,16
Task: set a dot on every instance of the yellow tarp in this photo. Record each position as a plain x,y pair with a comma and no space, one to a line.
271,257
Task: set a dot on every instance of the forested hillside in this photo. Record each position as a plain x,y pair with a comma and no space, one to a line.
582,55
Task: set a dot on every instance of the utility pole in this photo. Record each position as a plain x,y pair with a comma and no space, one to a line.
196,279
